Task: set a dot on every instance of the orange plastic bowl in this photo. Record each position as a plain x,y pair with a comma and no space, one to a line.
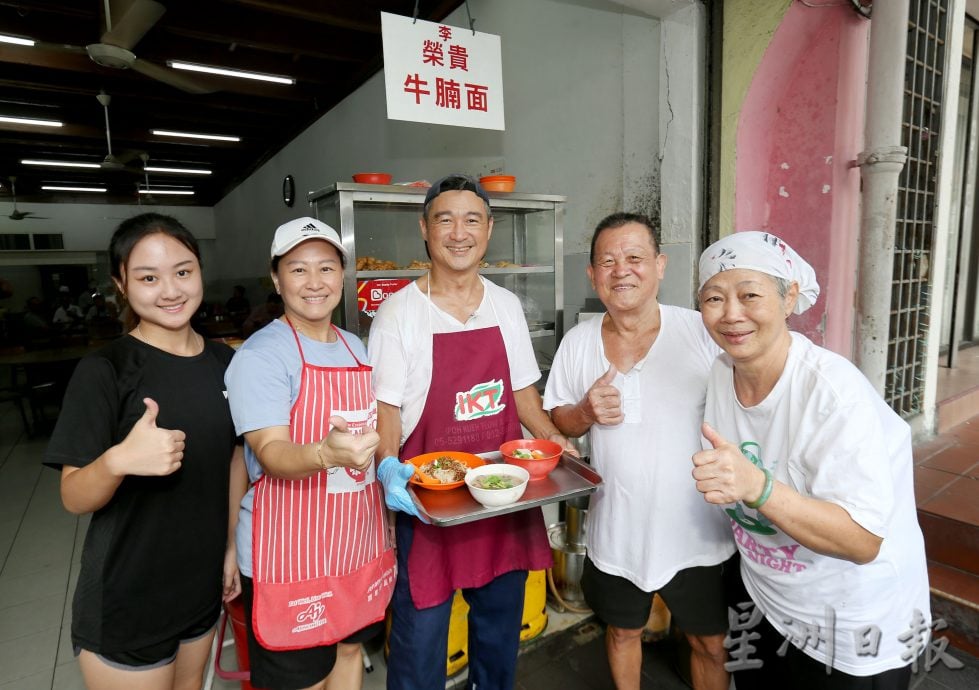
467,459
539,467
372,178
498,183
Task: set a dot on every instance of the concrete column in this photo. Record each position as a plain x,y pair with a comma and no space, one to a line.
682,91
880,165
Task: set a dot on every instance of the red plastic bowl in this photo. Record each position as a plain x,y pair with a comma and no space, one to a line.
540,467
498,183
372,178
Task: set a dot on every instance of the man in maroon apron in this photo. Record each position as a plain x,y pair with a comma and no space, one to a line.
432,345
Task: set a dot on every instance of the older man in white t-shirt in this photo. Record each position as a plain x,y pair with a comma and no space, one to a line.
635,381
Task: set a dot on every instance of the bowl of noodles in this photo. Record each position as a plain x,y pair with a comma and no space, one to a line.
443,470
497,484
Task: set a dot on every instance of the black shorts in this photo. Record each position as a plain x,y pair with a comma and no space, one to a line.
159,654
296,668
695,596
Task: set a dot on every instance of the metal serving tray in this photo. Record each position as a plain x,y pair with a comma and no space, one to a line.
569,479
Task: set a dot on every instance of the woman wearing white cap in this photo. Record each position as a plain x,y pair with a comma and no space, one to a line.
317,569
814,471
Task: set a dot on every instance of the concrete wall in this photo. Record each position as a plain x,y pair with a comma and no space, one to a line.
748,29
584,89
798,129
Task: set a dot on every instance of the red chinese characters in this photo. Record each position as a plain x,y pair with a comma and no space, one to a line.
447,91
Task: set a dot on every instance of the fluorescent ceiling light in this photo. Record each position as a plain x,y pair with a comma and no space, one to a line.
184,171
61,188
30,121
225,72
16,40
59,164
193,135
182,192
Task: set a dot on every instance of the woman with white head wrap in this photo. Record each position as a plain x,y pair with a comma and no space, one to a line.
814,471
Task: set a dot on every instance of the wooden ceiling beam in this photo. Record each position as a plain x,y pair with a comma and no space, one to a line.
341,15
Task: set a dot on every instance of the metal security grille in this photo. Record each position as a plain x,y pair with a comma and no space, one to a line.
914,237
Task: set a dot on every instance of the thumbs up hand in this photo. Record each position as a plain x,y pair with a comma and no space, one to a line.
341,448
602,403
149,450
723,473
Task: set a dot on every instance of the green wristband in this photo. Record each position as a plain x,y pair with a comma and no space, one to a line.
766,492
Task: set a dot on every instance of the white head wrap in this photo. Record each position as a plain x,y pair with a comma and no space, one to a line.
761,251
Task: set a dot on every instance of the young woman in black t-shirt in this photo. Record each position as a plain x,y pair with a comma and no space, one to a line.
145,443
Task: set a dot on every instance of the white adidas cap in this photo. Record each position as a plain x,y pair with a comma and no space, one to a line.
299,230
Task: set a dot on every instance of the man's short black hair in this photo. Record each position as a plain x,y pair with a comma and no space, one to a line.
617,220
456,182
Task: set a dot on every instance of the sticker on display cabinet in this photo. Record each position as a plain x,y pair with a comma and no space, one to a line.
371,293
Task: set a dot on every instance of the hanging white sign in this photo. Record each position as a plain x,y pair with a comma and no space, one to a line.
442,74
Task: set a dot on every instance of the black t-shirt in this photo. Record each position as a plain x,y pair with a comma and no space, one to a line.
153,556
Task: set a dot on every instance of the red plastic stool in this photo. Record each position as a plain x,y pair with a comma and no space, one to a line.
236,612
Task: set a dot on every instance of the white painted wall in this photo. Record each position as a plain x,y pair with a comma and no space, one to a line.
88,227
583,86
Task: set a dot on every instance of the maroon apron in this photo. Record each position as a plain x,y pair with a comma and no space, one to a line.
322,566
470,407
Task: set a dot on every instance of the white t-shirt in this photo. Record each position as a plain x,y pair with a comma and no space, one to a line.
67,314
647,521
824,431
400,345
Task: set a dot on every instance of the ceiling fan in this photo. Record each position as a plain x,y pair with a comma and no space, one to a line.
125,22
20,215
112,162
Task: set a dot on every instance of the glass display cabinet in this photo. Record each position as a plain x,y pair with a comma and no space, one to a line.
378,225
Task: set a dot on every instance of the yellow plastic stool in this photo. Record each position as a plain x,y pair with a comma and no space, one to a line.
458,649
534,606
457,655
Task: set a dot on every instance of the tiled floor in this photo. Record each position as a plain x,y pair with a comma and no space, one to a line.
964,376
40,544
947,473
958,390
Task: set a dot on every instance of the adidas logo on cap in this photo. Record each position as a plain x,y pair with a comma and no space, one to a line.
288,235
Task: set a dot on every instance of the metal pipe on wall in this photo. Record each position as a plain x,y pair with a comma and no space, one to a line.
880,165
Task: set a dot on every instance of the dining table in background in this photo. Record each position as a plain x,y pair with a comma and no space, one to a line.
39,378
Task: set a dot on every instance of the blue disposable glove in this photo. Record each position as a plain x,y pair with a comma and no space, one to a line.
394,476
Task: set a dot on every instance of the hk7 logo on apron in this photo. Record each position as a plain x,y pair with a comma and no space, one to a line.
482,400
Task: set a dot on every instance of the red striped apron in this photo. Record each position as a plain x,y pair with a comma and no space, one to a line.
322,565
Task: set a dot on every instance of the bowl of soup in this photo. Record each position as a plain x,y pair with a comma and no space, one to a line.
497,484
536,455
